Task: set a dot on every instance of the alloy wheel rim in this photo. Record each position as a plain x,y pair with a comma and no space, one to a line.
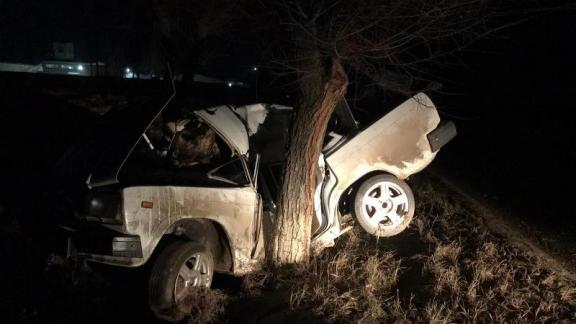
195,272
385,205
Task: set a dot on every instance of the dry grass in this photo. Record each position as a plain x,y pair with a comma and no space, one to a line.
204,306
460,273
350,282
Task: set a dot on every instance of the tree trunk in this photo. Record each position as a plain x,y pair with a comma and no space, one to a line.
321,92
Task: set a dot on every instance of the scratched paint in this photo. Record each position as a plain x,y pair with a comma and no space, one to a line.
233,208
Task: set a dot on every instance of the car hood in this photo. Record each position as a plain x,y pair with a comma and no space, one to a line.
119,136
229,122
99,156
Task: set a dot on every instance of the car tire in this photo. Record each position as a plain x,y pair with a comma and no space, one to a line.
384,205
179,268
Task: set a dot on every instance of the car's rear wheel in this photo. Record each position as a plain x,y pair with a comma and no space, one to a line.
180,269
384,205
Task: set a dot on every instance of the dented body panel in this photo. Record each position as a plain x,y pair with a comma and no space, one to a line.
232,208
228,125
396,144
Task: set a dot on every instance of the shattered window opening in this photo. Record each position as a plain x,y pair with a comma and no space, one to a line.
182,150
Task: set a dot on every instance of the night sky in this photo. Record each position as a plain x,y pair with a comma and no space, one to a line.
516,120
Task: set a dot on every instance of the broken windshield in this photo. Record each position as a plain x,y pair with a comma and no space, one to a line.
180,149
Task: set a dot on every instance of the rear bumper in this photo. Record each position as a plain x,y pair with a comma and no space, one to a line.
96,242
440,136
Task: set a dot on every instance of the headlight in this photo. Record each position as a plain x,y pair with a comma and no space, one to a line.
104,207
95,206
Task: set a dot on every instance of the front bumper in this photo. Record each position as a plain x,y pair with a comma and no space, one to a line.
99,243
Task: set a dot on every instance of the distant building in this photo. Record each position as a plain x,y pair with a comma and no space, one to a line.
20,67
73,68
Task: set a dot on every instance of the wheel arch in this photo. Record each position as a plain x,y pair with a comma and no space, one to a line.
346,200
208,232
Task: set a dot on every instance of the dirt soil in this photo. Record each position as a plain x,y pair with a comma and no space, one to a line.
452,265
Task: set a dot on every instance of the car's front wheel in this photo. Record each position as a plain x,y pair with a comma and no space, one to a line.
384,205
180,269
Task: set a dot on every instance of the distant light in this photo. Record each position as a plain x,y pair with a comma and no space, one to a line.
128,74
229,84
255,68
80,67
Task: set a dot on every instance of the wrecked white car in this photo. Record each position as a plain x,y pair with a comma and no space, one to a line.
191,194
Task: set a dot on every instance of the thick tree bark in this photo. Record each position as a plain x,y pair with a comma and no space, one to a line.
321,92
